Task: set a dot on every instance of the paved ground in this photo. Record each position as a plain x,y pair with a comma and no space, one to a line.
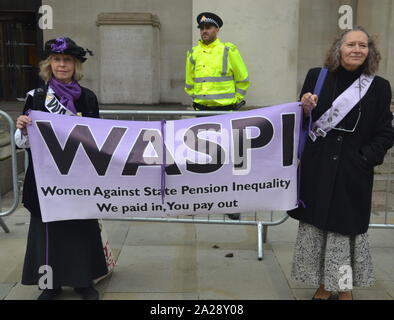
188,261
179,261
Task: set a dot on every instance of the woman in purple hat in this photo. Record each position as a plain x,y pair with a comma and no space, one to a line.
72,249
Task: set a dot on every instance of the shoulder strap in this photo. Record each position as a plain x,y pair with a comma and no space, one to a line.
304,131
320,81
39,97
341,106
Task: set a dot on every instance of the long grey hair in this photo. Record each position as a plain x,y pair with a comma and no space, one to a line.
371,63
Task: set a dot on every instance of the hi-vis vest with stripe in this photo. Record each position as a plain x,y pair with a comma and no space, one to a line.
216,74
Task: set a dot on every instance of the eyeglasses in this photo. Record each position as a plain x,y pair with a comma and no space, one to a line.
355,126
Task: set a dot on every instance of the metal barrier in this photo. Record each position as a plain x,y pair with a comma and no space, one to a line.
251,219
262,226
388,178
245,219
14,173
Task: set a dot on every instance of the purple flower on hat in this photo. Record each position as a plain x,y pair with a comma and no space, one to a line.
60,45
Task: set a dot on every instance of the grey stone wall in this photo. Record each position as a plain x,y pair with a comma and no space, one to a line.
279,39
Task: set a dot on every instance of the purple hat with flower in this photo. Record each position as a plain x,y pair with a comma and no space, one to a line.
65,46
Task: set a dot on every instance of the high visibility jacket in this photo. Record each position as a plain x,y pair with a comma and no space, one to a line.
216,74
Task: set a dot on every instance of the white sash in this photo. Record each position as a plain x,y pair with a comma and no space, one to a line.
54,106
341,107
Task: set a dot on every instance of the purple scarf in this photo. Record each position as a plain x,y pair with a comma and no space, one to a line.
67,93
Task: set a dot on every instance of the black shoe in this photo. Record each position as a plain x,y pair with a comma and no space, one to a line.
233,216
50,294
88,293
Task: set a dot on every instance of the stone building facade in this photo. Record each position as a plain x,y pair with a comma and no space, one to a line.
140,46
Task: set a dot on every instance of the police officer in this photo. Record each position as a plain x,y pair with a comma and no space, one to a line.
216,76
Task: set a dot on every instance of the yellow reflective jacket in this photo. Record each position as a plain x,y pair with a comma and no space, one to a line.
216,74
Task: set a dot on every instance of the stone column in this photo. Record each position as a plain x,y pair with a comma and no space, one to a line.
129,58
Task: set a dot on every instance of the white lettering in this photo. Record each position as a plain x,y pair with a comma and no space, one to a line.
46,281
345,21
345,282
46,20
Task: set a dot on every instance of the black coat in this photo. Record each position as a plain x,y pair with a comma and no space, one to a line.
88,106
75,250
337,171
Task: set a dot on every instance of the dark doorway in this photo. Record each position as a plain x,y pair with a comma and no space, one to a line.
19,51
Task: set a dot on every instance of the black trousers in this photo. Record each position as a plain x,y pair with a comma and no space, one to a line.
233,107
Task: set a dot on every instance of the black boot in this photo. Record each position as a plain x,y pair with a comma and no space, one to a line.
50,294
88,293
233,216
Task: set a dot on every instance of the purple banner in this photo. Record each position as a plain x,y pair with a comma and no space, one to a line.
111,169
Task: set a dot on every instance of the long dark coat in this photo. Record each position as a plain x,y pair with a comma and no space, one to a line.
75,250
337,171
